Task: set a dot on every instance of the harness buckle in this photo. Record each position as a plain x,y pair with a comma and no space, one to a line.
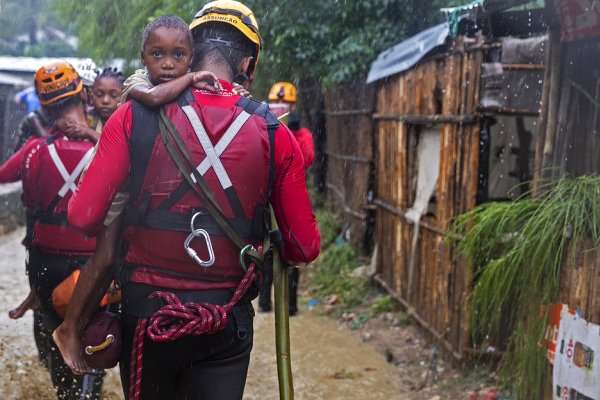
243,252
197,233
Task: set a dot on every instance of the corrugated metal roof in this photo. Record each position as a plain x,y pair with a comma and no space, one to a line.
32,64
406,54
13,80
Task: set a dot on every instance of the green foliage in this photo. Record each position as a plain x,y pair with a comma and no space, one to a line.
335,41
111,30
517,250
14,21
49,48
21,20
339,255
328,40
333,276
383,305
328,225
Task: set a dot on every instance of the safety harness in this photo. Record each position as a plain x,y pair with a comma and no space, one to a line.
48,215
175,319
146,120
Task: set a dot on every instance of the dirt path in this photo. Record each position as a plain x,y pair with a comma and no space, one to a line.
329,363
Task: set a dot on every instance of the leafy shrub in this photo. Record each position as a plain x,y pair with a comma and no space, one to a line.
328,225
333,276
383,305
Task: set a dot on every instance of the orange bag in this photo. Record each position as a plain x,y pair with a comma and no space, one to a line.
61,295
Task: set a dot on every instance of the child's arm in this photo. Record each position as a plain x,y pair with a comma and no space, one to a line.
154,96
94,280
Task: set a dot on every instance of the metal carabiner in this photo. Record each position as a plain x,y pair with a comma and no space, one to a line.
191,252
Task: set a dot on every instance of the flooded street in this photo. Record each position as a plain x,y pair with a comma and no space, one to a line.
329,362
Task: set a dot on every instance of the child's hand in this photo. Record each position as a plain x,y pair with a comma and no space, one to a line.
205,80
64,124
73,129
77,131
240,90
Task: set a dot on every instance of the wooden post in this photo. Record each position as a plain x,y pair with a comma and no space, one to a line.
553,105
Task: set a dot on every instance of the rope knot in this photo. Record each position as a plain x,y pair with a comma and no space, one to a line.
176,320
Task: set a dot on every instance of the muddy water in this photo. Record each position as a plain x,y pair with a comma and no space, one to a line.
329,363
21,375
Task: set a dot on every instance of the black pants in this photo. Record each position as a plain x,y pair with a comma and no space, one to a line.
264,298
45,272
205,367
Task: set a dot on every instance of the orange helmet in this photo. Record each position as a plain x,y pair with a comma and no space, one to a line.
55,81
284,91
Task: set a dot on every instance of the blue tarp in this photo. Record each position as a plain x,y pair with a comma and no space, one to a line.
406,54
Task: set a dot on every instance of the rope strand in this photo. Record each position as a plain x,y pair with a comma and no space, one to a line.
176,320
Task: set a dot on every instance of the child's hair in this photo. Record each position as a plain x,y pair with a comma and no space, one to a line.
167,21
110,72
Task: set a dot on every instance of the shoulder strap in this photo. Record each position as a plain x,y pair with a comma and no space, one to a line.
272,126
144,128
261,109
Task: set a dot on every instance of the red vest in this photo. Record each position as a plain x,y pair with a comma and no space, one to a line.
162,203
51,174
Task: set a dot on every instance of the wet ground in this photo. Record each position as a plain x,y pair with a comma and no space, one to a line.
329,361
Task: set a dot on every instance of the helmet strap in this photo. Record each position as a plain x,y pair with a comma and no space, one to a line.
221,45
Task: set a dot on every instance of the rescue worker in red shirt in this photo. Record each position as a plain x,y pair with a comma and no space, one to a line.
179,262
49,169
282,101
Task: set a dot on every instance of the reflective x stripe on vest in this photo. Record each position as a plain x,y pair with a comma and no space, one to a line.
213,153
68,178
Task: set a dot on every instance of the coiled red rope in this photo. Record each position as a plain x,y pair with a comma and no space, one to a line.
176,320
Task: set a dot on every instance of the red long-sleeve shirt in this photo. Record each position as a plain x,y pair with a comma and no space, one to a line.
307,146
110,168
12,169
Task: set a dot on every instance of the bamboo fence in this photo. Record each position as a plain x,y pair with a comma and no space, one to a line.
380,143
350,158
569,143
431,283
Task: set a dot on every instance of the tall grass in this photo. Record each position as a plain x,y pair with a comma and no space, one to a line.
516,250
333,276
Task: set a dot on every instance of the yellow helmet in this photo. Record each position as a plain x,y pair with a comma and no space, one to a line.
235,14
55,81
284,91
